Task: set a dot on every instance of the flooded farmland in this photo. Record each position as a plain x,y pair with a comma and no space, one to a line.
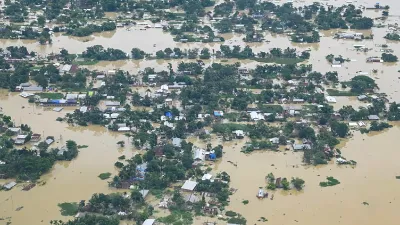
368,193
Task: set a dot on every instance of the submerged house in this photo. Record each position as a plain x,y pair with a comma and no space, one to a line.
374,59
140,172
9,185
373,117
298,147
20,139
218,113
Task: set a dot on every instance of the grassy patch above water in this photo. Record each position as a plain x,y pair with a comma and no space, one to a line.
230,213
331,182
245,202
83,146
68,208
279,60
333,92
105,176
398,177
270,108
51,95
177,217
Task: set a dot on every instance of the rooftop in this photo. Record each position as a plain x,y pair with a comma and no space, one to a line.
189,185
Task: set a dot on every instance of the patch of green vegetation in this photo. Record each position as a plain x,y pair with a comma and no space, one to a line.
331,182
59,119
365,203
398,177
119,164
230,213
50,95
177,217
237,220
333,92
105,176
271,108
289,61
271,186
245,202
122,157
157,193
68,208
33,68
82,146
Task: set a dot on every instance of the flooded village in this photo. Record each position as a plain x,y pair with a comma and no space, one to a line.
199,112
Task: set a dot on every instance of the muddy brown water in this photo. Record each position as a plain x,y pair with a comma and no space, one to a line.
68,181
372,180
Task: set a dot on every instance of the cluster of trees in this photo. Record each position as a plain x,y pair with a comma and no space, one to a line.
12,79
394,112
313,38
379,126
297,183
89,220
256,131
18,52
224,9
387,57
392,36
160,172
90,29
349,113
16,11
331,58
49,74
69,153
13,32
27,164
361,84
110,205
98,52
302,20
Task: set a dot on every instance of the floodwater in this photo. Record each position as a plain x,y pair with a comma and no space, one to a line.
371,181
68,181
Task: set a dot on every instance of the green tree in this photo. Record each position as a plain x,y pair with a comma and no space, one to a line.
137,53
297,183
205,53
41,21
340,129
387,57
136,196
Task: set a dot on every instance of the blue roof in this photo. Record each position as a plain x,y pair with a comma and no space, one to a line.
168,114
213,156
217,113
